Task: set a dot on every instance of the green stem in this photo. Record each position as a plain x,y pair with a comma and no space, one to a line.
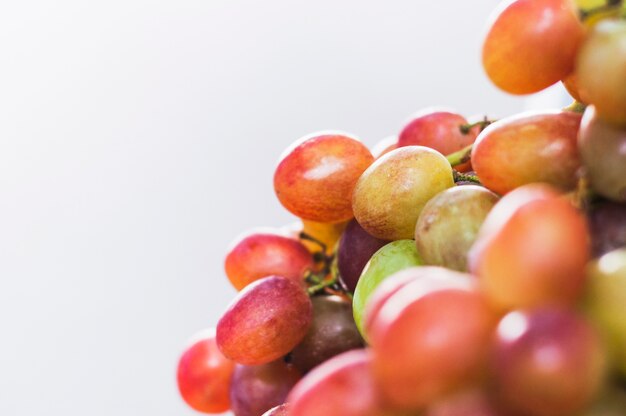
461,177
321,286
576,107
308,237
466,128
609,6
460,157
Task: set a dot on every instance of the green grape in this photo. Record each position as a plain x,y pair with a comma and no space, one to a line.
449,224
391,258
391,193
606,302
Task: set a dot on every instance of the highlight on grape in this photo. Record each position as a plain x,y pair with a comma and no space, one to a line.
459,268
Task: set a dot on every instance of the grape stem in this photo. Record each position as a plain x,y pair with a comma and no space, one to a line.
609,6
466,128
576,107
329,282
308,237
461,177
460,157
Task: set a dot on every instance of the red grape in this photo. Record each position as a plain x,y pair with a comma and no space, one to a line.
204,375
531,250
532,44
547,362
439,130
528,148
429,338
315,177
342,386
265,321
258,255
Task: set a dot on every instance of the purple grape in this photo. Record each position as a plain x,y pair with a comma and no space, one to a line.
256,389
607,223
332,332
277,411
356,247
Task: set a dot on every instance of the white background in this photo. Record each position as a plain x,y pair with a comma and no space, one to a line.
139,137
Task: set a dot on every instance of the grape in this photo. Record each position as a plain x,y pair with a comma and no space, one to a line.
532,44
332,332
342,386
531,250
547,362
258,255
385,146
315,177
603,151
439,130
449,223
204,375
355,249
258,388
277,411
607,223
571,85
528,148
391,193
606,300
473,402
600,70
327,234
265,321
389,259
612,402
430,338
386,289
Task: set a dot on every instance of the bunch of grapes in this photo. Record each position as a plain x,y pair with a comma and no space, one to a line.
460,268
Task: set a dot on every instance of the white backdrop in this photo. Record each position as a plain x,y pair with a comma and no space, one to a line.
138,137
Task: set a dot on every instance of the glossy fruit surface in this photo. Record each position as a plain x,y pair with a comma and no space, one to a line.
606,300
600,70
531,250
258,388
391,193
386,261
315,177
430,338
529,148
277,411
468,402
438,129
331,333
262,254
204,375
356,247
539,360
265,321
603,151
532,44
449,224
342,386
